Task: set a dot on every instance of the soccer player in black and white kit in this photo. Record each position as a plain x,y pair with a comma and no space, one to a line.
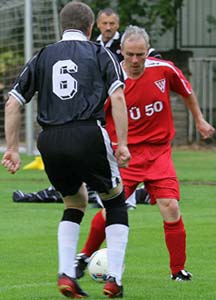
73,79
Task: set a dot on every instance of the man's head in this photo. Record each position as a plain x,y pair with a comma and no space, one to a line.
107,23
77,15
134,48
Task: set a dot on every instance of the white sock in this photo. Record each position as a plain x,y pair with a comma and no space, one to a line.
68,234
116,238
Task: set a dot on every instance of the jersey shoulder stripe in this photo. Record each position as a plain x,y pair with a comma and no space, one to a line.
149,63
115,62
155,63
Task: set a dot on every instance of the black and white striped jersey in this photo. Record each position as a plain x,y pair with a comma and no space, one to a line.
73,78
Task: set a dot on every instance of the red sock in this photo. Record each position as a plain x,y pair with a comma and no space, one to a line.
175,237
96,234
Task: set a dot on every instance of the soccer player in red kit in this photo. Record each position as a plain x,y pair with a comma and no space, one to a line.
149,82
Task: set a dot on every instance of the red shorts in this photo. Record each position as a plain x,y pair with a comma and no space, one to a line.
152,165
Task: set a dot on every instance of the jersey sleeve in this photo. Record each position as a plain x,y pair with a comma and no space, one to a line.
178,82
25,84
111,70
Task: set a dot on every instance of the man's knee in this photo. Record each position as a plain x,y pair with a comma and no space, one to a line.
77,201
71,202
169,209
112,192
116,210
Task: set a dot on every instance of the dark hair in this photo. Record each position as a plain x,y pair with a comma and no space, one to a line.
107,11
76,15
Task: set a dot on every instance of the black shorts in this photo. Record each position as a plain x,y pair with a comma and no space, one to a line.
78,152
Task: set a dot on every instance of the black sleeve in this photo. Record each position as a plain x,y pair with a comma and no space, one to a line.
24,87
111,70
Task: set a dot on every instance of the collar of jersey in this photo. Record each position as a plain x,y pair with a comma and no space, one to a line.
73,35
148,62
124,73
109,43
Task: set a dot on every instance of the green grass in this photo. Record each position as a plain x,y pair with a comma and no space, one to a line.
28,244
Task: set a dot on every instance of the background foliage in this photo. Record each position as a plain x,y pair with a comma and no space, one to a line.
147,13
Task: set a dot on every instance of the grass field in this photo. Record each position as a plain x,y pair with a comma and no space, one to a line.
28,244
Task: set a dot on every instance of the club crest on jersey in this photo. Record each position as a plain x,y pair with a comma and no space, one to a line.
161,84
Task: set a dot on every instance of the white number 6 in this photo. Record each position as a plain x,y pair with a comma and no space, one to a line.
64,85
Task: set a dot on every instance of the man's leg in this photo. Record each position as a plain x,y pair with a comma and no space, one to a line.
95,238
68,234
96,234
116,237
175,238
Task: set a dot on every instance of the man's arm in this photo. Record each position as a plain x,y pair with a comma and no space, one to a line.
204,128
120,117
11,159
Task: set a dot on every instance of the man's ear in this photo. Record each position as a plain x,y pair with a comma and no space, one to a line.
89,32
121,49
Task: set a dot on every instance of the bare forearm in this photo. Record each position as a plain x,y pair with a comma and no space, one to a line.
12,123
119,114
192,104
204,128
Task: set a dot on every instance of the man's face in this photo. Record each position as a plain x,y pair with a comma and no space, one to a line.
135,51
108,25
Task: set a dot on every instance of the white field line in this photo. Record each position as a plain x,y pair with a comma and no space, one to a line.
22,286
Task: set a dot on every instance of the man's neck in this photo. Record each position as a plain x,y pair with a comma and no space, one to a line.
131,74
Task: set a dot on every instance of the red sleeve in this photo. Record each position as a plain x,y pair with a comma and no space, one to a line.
178,82
110,126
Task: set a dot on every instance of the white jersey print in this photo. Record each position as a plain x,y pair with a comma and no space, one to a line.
161,84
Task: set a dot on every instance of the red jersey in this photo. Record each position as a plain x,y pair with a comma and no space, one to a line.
150,117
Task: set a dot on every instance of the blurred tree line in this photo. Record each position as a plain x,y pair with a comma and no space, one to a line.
157,15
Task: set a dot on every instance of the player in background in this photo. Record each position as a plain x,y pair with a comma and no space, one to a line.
108,24
149,82
75,148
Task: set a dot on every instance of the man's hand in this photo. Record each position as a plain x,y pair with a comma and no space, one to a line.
123,156
11,161
205,129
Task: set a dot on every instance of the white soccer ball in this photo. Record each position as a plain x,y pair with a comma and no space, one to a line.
97,266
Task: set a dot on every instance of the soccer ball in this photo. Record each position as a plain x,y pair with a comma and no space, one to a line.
97,266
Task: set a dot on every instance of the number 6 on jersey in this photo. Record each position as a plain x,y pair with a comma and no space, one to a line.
64,85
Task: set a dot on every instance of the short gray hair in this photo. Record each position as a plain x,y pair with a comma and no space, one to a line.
133,30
